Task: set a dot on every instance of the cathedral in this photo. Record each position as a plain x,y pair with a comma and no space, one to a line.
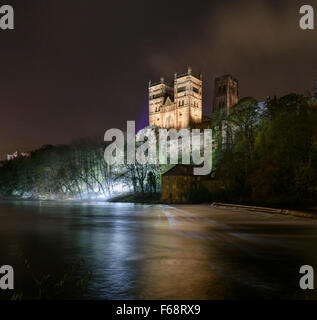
179,104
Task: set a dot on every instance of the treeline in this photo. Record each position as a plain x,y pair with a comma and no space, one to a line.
267,153
76,171
263,153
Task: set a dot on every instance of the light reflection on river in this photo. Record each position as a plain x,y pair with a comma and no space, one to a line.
158,252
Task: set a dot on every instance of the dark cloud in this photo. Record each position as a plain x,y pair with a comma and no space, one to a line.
75,68
259,42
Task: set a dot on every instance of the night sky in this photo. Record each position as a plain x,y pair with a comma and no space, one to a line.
75,68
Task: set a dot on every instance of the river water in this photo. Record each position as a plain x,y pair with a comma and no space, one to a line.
159,252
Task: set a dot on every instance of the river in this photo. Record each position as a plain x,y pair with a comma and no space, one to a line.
159,252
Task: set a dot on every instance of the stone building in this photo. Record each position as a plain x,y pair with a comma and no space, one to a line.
180,185
226,93
17,154
177,105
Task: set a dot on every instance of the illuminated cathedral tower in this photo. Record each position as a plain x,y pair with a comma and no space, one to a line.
178,105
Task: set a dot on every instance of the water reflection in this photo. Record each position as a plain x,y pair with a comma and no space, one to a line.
158,252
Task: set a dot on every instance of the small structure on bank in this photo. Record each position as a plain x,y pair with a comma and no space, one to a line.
180,185
17,154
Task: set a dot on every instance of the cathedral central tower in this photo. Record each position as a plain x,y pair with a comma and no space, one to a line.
226,93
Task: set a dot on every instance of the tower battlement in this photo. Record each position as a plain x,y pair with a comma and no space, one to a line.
178,105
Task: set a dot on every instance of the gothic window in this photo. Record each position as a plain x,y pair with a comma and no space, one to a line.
224,89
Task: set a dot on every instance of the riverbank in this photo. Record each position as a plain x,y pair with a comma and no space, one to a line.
155,198
147,198
303,213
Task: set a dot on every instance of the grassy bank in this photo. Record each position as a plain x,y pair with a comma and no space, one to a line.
154,198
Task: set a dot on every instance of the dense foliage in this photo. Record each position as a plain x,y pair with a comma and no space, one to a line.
267,153
263,153
76,171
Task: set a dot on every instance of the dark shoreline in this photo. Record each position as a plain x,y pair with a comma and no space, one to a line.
138,198
154,198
